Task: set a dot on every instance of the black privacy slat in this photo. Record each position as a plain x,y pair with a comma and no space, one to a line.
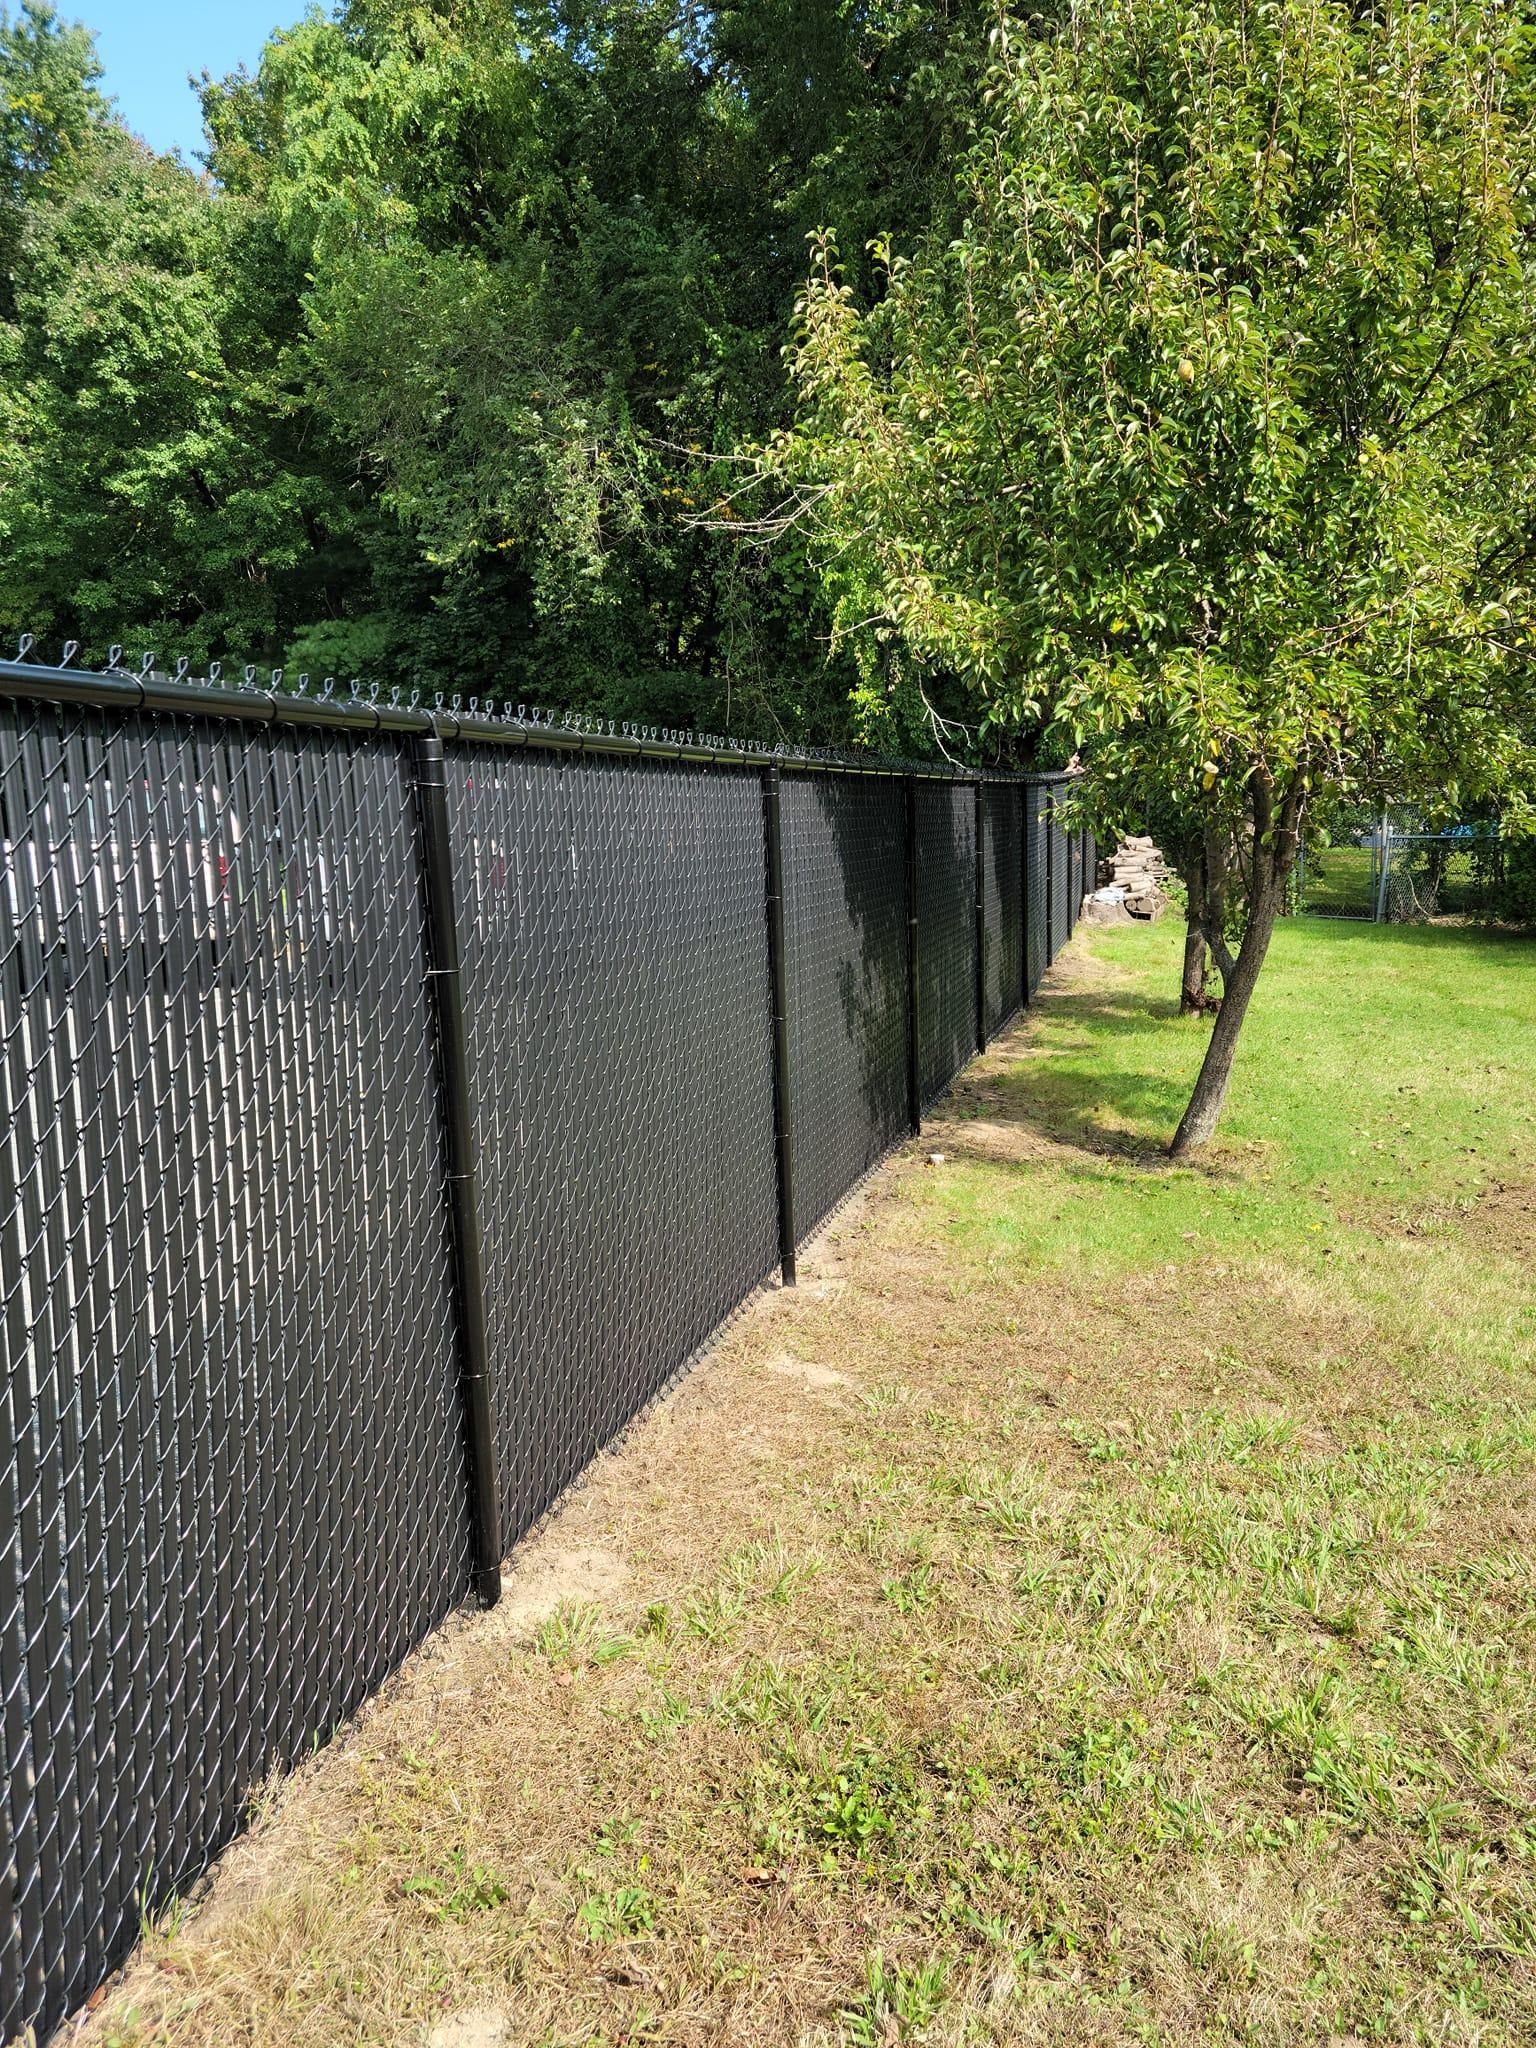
616,961
1061,887
231,1482
1037,904
946,910
1003,869
847,970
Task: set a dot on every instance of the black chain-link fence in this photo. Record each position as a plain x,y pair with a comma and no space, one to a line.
256,1102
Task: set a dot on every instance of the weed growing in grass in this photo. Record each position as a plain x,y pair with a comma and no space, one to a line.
895,2002
457,1889
914,1592
569,1633
618,1914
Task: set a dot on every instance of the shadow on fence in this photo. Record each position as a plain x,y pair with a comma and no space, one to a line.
394,1103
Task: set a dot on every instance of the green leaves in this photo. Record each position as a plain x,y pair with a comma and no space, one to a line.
1212,429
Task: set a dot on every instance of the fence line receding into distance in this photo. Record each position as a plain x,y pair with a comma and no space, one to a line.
394,1103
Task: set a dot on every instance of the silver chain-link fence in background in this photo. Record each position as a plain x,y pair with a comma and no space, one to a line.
367,1167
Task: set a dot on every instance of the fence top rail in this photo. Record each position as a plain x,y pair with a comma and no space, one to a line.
366,711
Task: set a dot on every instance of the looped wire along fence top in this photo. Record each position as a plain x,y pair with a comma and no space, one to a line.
395,1101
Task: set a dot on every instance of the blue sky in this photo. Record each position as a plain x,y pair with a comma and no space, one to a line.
149,46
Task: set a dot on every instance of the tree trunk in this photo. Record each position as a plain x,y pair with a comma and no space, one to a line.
1206,1104
1193,998
1192,992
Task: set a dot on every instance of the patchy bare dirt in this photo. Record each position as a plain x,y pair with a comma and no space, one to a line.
483,2027
1504,1221
818,1379
546,1574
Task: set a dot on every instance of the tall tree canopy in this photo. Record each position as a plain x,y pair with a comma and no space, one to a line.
431,374
1209,435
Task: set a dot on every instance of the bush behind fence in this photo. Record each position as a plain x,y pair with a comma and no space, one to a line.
394,1105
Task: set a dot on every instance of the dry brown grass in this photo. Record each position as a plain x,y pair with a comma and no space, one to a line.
978,1649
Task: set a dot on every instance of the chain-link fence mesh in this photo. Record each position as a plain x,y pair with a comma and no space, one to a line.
232,1484
1003,854
946,919
1037,900
235,1486
1397,876
1429,875
846,916
1061,886
616,979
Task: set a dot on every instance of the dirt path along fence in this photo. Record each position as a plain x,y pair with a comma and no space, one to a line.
395,1102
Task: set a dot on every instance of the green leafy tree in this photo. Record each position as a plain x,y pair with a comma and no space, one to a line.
1208,437
549,251
433,378
50,115
153,483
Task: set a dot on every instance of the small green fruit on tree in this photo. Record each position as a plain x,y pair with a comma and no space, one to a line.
1212,437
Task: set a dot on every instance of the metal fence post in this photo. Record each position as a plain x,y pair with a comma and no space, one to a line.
445,982
1386,868
1050,876
914,995
981,917
778,974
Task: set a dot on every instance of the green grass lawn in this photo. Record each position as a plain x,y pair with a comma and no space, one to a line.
1099,1609
1387,1077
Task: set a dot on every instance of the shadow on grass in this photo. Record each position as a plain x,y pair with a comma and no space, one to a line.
1075,1093
1113,1078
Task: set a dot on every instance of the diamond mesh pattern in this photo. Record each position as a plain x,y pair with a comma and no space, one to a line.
946,911
847,970
616,979
1061,885
1037,904
1004,885
232,1474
